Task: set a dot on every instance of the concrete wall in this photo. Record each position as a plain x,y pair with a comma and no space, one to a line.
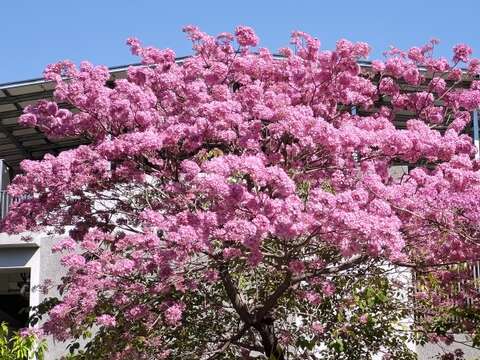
431,351
50,268
35,255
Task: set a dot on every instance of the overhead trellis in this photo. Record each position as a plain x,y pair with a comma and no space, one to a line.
18,143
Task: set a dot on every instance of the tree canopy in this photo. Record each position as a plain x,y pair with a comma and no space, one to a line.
240,204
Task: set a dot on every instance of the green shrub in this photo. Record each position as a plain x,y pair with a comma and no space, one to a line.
16,346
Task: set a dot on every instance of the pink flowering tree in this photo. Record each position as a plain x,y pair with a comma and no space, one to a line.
241,204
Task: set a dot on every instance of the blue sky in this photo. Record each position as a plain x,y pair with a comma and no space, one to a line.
36,33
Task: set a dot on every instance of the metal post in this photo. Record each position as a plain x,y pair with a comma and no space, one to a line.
476,135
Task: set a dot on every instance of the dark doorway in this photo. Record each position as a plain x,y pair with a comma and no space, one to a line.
14,297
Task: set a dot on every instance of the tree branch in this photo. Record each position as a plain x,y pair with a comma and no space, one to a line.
234,295
273,298
232,340
333,269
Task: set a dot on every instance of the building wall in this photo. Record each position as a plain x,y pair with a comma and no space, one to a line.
50,268
432,351
35,255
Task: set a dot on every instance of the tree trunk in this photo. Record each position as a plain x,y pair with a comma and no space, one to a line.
269,339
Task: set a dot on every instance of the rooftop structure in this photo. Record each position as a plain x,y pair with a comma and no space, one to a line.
18,143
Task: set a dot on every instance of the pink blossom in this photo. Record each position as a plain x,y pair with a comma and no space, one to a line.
388,86
474,67
416,54
106,320
438,85
412,75
173,314
328,288
462,52
136,312
317,328
65,244
246,36
378,66
73,260
296,266
31,332
363,319
313,297
123,266
229,253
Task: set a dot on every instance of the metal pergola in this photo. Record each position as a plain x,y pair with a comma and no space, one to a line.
18,143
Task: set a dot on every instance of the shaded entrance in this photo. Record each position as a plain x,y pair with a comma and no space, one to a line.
14,297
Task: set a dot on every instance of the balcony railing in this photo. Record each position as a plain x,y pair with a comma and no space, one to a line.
5,202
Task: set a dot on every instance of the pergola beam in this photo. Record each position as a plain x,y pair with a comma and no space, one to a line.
15,142
8,134
16,113
9,99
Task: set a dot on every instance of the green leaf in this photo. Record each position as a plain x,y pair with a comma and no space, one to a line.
337,345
